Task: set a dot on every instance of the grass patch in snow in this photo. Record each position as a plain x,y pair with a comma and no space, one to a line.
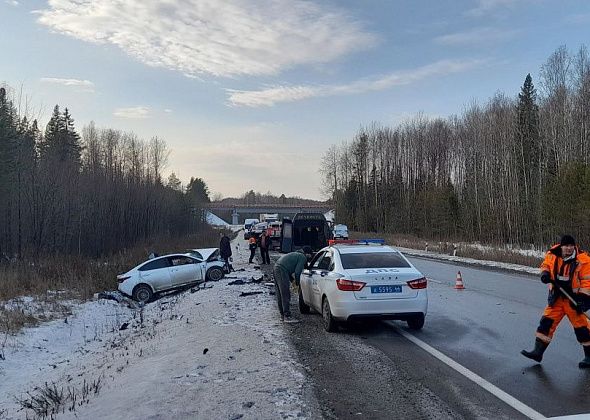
49,399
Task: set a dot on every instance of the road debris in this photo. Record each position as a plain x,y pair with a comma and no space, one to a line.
250,293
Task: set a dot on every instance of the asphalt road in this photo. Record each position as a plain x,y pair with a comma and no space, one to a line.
372,371
485,326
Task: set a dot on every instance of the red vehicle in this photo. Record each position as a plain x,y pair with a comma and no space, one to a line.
274,232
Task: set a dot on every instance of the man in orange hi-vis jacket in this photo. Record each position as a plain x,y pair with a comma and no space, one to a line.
565,268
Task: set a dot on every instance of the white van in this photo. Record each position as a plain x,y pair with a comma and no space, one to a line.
340,232
248,224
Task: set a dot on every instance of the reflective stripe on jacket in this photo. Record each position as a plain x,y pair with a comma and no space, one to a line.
579,277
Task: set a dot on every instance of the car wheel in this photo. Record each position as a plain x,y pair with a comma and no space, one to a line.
303,307
330,324
143,293
416,322
214,274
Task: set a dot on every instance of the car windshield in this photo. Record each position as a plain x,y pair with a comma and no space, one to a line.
373,260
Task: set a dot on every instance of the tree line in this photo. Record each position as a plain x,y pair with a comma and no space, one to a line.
512,170
94,193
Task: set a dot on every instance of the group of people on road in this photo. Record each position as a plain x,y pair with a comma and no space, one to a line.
264,242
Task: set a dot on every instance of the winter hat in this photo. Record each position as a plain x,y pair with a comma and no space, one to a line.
567,240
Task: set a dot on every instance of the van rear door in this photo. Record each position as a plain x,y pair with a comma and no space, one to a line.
287,236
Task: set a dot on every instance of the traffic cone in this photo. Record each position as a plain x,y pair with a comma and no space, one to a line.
459,282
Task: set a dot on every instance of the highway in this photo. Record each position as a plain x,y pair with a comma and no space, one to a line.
375,371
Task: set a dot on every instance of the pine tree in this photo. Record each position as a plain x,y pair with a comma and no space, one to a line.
529,151
174,183
61,145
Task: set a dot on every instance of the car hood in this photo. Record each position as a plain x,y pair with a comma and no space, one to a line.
206,252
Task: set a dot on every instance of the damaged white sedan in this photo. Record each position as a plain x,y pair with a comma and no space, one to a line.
356,280
169,272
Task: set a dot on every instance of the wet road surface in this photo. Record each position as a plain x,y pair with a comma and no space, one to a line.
485,326
371,371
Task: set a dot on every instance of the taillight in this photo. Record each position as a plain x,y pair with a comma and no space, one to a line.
418,283
349,285
121,279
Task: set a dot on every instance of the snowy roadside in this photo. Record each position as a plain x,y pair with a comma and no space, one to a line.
206,353
469,261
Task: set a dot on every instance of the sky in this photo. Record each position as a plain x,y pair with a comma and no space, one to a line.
248,94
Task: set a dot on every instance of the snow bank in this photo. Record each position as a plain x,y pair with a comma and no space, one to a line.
214,220
472,261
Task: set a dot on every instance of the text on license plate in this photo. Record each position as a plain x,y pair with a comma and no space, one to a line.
386,289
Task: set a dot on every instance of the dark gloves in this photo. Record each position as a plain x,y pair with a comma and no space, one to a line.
582,304
546,277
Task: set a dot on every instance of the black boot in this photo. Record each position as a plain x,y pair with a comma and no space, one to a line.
537,353
585,363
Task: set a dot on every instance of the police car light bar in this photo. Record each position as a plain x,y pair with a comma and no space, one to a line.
356,242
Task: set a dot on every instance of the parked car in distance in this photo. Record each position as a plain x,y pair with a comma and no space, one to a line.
340,232
169,272
363,280
248,224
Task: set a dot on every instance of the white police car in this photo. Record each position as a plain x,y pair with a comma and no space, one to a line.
363,279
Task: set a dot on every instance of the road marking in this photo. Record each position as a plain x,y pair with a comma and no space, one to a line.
493,389
436,281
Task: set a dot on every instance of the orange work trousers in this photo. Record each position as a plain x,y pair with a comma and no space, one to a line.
552,316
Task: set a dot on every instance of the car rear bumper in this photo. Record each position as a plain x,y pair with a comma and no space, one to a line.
379,309
126,288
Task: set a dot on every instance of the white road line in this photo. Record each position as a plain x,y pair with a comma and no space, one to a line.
436,281
507,398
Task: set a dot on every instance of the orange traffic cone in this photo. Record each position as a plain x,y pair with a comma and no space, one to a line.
459,282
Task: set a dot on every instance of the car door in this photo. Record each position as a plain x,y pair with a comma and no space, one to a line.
315,279
183,270
308,281
324,276
156,273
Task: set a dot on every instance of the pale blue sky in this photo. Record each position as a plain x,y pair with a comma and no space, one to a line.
248,94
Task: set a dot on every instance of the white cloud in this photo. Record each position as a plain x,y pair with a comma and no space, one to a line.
274,95
137,112
486,6
80,85
212,37
168,111
11,2
476,36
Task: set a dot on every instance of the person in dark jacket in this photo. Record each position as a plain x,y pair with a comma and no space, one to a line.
225,251
289,268
265,243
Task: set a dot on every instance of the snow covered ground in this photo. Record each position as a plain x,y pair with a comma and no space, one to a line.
206,353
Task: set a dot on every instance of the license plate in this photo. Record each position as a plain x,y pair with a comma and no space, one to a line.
386,289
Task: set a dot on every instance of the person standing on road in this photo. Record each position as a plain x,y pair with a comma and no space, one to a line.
288,268
265,244
225,251
252,246
565,268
